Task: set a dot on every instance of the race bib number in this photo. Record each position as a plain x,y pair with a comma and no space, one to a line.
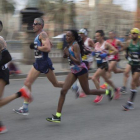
97,57
135,57
38,54
4,67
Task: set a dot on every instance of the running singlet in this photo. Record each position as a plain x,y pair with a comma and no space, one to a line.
134,53
39,55
74,67
116,56
86,44
87,57
100,50
5,57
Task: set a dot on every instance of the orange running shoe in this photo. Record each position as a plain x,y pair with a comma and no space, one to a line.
26,93
104,86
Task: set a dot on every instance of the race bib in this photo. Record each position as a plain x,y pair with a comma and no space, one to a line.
4,67
38,54
135,57
97,57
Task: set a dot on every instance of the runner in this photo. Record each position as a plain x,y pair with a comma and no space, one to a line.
133,47
78,71
43,64
88,46
123,89
101,53
113,59
5,57
87,58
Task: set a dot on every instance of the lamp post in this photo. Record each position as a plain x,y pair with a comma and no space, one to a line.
94,19
27,18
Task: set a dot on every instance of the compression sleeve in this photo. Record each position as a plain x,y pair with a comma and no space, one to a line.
5,57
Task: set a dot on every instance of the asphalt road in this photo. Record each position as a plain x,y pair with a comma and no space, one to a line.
81,118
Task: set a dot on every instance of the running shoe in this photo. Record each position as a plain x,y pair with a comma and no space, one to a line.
75,89
117,94
110,94
98,99
123,90
128,106
26,93
54,119
22,111
104,86
82,95
3,129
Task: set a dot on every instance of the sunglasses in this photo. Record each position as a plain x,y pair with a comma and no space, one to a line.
134,33
36,24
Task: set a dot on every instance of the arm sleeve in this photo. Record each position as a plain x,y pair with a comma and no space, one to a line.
6,57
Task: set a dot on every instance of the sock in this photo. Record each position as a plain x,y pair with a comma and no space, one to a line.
18,94
106,92
133,94
25,105
58,114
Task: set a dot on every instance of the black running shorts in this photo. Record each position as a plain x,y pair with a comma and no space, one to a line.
135,68
4,75
103,66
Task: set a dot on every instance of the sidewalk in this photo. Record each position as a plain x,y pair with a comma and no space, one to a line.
59,70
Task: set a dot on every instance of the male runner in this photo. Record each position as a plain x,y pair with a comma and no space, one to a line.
101,54
43,64
5,57
113,59
133,47
127,70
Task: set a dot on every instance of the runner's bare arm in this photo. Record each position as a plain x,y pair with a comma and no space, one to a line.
119,43
91,43
46,45
111,48
126,45
2,39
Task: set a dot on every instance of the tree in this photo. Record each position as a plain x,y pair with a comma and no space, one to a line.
6,7
60,12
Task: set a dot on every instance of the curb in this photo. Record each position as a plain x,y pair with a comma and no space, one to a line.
20,76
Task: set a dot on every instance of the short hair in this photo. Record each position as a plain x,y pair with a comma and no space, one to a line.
114,32
101,32
40,20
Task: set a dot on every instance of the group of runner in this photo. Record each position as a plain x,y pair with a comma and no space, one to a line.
80,53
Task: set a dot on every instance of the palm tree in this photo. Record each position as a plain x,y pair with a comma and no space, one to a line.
59,11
